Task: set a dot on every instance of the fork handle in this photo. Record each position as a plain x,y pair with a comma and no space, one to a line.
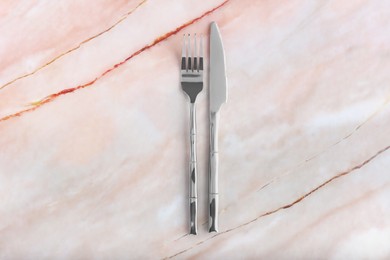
193,194
213,173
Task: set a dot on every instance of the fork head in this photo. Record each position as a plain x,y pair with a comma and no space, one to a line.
191,73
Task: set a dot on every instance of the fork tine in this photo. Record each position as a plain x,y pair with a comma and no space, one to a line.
195,54
189,53
183,54
201,53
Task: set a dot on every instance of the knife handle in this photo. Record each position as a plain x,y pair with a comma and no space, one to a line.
193,193
213,217
213,173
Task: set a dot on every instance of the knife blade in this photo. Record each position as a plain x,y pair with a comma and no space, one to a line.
218,81
218,96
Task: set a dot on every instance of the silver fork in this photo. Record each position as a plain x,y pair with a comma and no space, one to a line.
191,77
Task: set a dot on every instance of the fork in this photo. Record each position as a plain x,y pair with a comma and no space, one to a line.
191,77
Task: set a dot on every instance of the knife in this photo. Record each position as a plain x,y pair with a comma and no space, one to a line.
218,96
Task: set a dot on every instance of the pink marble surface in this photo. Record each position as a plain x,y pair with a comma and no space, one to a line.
94,125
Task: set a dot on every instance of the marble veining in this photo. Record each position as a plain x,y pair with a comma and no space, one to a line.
93,130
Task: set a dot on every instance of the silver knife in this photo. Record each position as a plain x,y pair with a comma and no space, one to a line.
218,96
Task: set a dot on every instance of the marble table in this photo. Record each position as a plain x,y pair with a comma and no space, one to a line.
94,126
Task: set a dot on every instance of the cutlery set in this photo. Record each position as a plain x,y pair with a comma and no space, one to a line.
191,77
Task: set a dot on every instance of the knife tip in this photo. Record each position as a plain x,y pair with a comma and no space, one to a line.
214,27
